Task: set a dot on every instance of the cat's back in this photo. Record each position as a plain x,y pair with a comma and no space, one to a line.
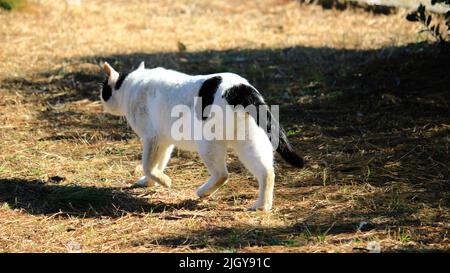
160,75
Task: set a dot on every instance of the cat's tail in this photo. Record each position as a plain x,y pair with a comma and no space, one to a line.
246,95
284,147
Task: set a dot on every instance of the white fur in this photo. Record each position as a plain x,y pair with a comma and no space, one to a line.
146,98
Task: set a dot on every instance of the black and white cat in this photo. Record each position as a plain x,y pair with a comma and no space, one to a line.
147,97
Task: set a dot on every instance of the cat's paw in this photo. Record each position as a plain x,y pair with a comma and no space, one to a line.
211,187
205,190
201,192
261,207
163,180
143,182
167,182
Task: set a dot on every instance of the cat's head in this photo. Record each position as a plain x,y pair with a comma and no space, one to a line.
111,92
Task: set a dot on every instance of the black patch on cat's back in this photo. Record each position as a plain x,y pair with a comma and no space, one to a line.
244,95
207,92
120,80
106,91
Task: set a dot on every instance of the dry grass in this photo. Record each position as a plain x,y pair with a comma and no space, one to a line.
374,134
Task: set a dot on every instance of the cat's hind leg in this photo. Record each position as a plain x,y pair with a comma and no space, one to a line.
214,154
257,156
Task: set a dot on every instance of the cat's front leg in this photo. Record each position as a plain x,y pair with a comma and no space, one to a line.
166,151
154,154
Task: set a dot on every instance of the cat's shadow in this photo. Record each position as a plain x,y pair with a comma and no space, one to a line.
43,198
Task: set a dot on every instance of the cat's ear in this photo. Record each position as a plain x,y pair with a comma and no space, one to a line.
108,69
110,72
142,65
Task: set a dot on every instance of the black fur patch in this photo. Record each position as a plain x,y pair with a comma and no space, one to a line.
207,92
243,95
120,80
246,95
106,91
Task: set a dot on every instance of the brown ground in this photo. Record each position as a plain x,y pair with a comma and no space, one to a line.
369,111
